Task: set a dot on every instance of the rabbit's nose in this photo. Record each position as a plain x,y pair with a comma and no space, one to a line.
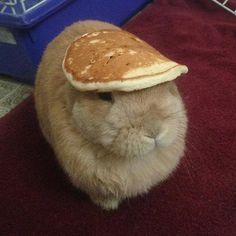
153,131
160,139
149,138
161,133
157,134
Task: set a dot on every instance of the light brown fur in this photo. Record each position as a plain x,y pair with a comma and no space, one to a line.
110,150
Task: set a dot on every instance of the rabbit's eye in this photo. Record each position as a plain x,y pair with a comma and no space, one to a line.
105,96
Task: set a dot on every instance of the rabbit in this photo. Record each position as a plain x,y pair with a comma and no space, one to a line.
114,145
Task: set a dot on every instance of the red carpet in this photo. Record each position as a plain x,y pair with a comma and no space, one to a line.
199,199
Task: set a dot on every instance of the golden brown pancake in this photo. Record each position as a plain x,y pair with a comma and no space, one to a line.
110,60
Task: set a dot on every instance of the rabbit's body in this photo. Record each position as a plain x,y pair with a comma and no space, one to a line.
110,150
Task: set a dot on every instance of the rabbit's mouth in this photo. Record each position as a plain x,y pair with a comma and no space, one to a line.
130,144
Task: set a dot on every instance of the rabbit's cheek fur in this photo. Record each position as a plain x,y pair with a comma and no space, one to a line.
88,120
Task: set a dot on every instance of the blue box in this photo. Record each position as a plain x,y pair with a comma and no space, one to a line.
27,26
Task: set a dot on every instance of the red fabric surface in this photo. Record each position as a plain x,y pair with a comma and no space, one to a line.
198,199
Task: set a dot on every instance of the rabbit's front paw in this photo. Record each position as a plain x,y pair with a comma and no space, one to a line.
107,204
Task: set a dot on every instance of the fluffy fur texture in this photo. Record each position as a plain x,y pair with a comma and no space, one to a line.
110,149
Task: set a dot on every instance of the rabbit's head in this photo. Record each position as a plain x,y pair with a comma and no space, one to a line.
131,124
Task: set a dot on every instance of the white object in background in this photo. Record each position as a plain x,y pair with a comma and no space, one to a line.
6,36
223,4
16,7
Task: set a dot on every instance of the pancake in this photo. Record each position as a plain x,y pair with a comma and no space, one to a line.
109,60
